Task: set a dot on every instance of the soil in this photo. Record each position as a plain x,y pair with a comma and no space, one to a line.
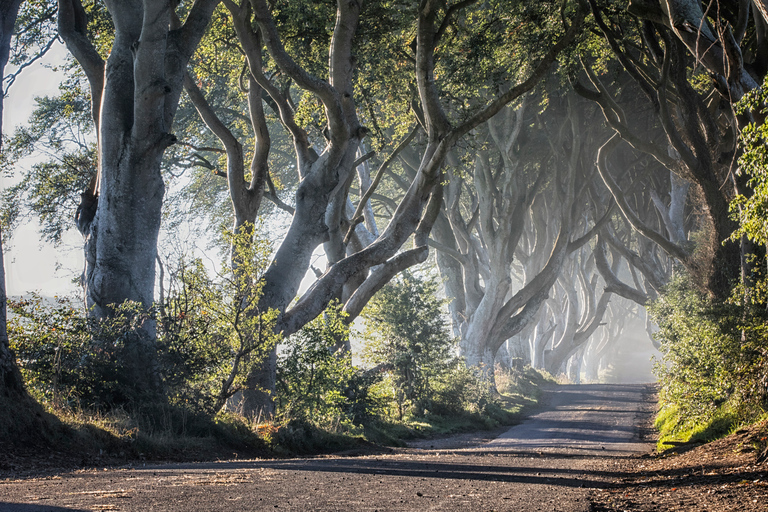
727,474
587,450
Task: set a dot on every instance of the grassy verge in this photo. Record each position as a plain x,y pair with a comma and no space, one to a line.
518,393
165,432
675,431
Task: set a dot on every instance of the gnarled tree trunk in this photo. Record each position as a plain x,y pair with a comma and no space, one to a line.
10,378
135,95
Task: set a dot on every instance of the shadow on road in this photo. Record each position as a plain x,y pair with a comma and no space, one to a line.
551,475
27,507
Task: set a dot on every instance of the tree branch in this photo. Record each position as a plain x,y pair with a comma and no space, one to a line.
73,29
515,92
673,250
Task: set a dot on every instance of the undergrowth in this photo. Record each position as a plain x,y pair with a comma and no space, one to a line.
84,373
714,366
166,432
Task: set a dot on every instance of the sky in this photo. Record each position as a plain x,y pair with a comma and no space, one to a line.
32,265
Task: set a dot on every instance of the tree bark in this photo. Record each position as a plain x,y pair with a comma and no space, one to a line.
142,82
11,384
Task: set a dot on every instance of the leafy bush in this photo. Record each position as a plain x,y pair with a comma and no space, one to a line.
317,382
461,390
525,381
751,211
714,362
70,359
407,337
210,331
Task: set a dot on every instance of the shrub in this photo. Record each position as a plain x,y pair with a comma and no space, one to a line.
407,337
714,360
461,390
210,331
317,382
71,360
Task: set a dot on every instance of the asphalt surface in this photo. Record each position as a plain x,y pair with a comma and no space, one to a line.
547,463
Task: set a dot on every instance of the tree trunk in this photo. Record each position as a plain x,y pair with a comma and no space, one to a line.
142,83
22,420
10,379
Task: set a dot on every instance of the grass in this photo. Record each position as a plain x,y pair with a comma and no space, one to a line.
518,392
157,433
674,430
166,432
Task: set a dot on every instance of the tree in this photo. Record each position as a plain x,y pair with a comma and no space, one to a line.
408,338
508,225
11,385
280,72
665,48
580,311
357,267
134,95
22,420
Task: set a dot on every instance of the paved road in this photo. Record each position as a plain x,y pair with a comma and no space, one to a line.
547,463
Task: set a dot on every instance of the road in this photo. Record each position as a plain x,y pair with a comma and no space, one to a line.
547,463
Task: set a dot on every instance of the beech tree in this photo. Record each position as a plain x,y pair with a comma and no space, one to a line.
134,97
360,261
510,224
22,420
674,42
134,94
581,308
128,190
11,385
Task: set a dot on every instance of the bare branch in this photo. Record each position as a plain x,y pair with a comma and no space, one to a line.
73,28
673,249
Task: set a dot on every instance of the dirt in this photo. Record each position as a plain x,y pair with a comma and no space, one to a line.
587,450
728,474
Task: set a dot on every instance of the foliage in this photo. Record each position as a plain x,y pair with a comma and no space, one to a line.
752,210
61,128
220,320
69,359
714,358
316,380
523,382
408,337
210,331
460,390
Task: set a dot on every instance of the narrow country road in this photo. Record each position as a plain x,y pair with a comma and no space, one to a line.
547,463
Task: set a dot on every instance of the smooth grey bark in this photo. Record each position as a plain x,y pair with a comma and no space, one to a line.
613,283
673,214
142,81
11,384
135,95
501,257
719,53
579,328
